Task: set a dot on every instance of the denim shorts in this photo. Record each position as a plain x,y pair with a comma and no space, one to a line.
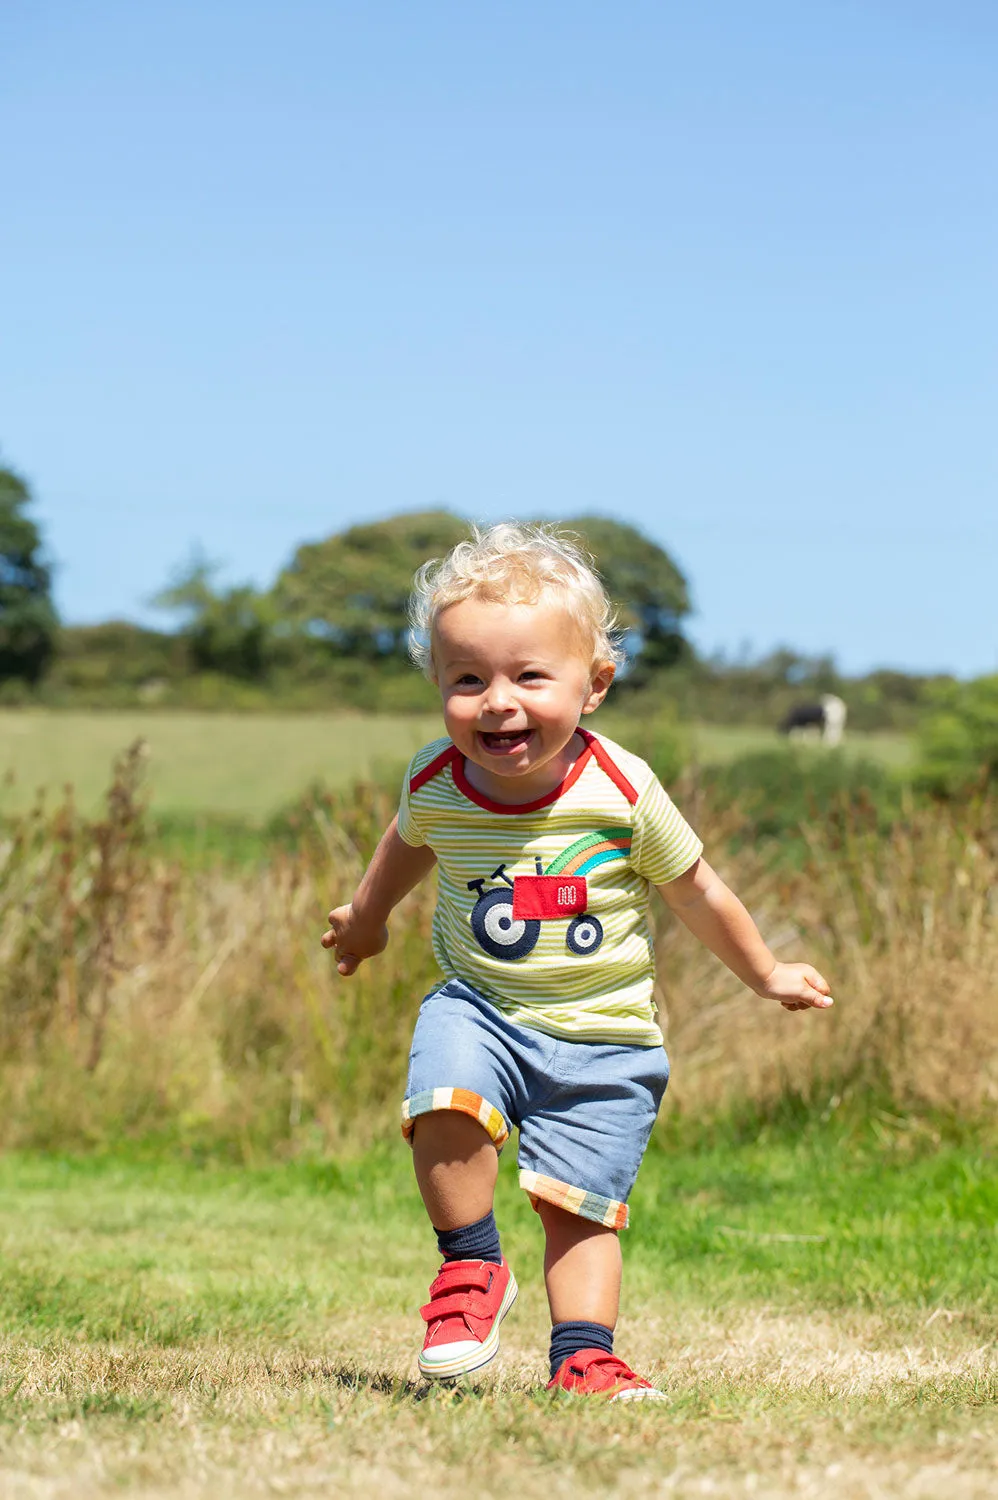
584,1110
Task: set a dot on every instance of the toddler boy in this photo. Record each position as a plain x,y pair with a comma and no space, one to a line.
547,840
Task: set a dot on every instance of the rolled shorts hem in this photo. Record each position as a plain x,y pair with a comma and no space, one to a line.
465,1102
607,1211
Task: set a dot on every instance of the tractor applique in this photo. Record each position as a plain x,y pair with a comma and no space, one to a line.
506,920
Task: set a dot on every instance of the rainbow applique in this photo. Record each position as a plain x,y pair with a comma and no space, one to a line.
594,849
506,920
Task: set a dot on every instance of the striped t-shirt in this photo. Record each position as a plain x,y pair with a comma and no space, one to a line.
543,906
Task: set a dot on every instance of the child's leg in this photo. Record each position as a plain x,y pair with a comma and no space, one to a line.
456,1165
582,1273
581,1268
579,1155
456,1115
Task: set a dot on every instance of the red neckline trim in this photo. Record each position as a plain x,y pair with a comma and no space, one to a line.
464,785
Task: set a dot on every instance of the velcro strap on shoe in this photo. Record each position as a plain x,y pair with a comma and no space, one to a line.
449,1307
613,1366
463,1273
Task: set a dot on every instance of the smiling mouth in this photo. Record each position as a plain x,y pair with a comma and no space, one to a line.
506,741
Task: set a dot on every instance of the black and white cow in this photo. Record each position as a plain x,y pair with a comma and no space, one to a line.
826,719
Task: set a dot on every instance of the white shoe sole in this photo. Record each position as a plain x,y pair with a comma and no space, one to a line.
482,1354
640,1395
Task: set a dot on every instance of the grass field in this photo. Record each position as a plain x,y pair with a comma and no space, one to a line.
248,765
714,743
817,1298
820,1308
231,765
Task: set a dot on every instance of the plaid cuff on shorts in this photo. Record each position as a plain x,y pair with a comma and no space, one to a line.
465,1102
575,1200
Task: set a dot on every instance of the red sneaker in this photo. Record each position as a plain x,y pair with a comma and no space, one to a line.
468,1301
593,1372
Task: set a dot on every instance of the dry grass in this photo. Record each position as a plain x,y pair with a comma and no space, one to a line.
820,1314
758,1404
206,1342
904,925
141,997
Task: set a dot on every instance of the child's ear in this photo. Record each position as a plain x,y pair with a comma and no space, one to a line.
599,685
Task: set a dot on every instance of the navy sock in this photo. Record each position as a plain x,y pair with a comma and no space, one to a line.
569,1338
478,1241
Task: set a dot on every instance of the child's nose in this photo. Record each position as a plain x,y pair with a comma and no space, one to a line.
498,699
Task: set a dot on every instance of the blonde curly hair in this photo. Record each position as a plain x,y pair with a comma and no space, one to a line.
511,563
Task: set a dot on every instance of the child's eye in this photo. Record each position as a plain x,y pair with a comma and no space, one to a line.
468,679
532,675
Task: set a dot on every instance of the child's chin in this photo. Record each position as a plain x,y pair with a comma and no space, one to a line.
505,768
503,765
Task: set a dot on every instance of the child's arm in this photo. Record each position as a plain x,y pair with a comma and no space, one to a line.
360,930
714,914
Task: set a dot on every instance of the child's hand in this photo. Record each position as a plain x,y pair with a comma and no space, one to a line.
797,987
353,939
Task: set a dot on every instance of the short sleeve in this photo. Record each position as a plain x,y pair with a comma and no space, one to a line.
408,829
665,846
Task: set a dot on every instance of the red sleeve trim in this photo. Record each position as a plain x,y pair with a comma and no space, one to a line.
437,764
605,763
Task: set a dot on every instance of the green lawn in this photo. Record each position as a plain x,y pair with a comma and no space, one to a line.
245,766
714,743
820,1308
229,765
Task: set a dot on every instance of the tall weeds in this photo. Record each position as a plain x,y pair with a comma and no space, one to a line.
146,999
903,923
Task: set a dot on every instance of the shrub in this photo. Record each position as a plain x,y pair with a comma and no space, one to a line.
656,735
959,741
780,793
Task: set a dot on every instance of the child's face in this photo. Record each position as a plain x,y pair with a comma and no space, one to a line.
515,681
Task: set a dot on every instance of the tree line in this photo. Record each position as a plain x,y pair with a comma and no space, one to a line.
28,622
331,630
347,596
336,612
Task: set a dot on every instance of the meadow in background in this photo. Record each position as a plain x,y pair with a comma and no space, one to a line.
164,979
211,1244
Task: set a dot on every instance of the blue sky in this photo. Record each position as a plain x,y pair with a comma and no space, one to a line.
726,271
